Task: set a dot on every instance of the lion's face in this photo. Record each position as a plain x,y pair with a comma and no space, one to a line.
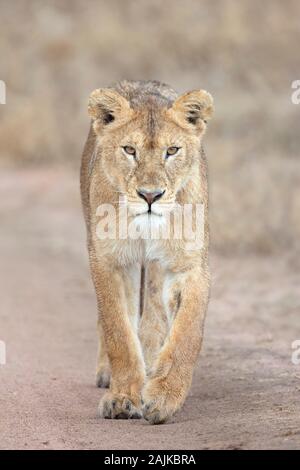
148,152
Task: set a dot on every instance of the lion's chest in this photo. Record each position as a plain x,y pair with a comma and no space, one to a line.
126,252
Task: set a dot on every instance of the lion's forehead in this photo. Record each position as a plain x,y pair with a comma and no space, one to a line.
165,135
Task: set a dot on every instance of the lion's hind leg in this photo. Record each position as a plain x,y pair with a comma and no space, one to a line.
103,367
154,324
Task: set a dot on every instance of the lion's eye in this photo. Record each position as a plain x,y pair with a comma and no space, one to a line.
129,150
172,151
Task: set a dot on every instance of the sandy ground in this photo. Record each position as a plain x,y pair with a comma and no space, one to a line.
246,391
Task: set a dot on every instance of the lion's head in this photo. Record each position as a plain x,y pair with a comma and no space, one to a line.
149,148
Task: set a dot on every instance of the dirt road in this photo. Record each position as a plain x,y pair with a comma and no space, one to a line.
246,391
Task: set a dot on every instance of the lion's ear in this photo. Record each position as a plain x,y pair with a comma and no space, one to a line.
108,108
192,110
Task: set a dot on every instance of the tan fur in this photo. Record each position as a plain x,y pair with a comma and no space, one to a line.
147,358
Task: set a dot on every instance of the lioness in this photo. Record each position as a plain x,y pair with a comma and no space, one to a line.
144,154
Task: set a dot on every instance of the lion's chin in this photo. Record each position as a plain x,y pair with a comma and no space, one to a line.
147,225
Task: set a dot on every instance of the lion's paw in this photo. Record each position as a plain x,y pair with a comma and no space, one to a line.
160,402
115,406
103,377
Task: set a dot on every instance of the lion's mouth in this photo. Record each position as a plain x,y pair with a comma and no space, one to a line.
137,209
150,213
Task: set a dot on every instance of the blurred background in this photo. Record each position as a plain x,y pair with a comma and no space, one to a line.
54,53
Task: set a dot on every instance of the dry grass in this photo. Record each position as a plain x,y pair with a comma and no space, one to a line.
53,53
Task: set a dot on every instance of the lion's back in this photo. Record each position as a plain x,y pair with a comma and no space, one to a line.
136,92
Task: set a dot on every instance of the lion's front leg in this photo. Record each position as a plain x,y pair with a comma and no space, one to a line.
166,389
132,291
123,400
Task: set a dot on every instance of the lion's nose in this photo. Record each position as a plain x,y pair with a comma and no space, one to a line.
150,196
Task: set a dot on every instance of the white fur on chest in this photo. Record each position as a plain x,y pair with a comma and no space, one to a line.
143,241
138,251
